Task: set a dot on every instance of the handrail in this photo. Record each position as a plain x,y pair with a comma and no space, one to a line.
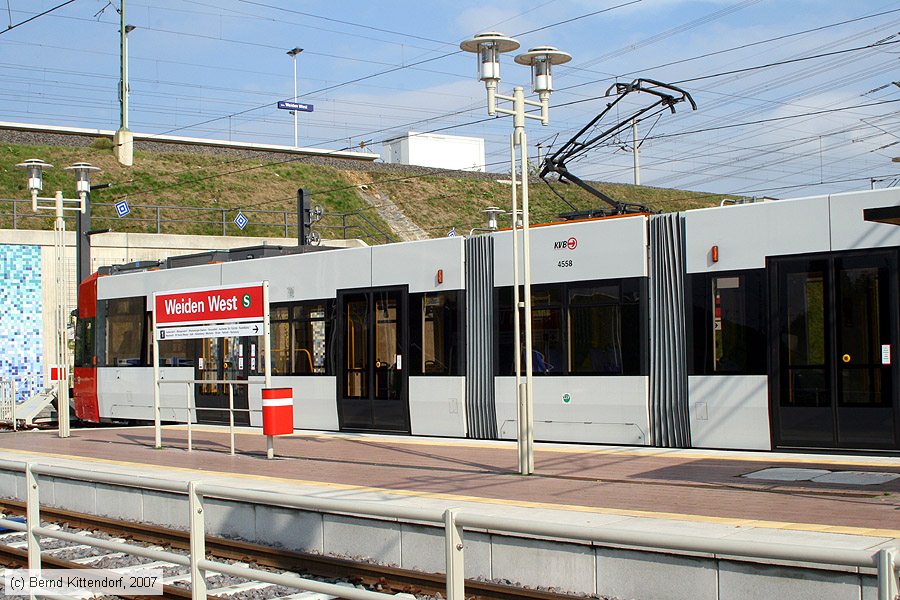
454,521
231,409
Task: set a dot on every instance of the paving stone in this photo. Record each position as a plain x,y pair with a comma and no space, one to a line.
787,474
856,478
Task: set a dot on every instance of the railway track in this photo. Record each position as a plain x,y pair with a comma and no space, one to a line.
377,577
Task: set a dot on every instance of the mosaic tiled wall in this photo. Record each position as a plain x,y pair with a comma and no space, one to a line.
21,317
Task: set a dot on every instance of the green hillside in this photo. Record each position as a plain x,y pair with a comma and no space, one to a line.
169,187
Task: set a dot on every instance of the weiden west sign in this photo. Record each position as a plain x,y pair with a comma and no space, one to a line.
227,304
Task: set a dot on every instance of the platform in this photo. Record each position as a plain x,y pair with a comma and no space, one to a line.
840,501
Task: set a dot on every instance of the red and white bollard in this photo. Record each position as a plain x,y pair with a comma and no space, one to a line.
278,415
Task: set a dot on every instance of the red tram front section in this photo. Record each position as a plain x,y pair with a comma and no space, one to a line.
87,406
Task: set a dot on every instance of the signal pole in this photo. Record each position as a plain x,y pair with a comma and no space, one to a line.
636,149
123,140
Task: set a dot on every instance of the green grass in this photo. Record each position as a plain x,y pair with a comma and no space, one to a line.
177,181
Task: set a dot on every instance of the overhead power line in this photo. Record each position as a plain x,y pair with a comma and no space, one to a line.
37,16
790,61
342,22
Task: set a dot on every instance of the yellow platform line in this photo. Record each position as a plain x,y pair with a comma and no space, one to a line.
693,518
646,451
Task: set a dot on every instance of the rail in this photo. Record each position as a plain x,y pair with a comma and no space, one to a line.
153,218
8,402
453,520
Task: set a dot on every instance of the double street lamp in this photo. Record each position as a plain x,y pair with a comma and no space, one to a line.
488,47
34,168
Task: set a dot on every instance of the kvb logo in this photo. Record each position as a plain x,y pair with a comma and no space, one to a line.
569,244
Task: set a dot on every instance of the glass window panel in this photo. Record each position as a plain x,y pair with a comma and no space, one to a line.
600,294
441,331
862,328
356,351
387,383
860,323
84,343
125,321
805,319
547,340
299,339
729,323
177,353
595,335
281,344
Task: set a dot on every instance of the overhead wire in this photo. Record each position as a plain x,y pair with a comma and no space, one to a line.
30,19
463,124
764,66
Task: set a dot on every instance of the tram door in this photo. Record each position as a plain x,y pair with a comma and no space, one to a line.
227,358
834,377
372,359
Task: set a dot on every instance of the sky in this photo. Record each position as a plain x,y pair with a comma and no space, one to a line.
795,97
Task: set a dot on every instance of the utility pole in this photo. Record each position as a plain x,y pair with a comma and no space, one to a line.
123,140
636,150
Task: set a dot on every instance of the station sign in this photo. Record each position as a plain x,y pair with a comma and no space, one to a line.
287,105
206,306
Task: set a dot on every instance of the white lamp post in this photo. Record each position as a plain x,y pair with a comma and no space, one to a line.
293,54
492,213
488,47
34,168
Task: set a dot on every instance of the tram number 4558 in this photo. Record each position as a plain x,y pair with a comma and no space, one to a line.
564,263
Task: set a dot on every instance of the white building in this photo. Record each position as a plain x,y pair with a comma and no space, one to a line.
436,150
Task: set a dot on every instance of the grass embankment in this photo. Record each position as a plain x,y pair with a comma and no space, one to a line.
438,203
180,182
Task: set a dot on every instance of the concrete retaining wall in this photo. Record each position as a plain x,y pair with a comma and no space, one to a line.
569,566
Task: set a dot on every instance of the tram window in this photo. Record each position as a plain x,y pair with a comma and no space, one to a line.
436,334
505,340
546,331
604,329
308,336
177,353
585,328
84,343
125,332
299,338
280,331
729,325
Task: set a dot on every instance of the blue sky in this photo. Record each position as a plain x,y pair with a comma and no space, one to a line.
210,68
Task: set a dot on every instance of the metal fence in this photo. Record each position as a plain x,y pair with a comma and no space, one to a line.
453,521
152,218
8,402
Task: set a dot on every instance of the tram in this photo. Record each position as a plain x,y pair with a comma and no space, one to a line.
758,326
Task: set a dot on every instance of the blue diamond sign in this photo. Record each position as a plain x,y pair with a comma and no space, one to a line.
122,209
241,221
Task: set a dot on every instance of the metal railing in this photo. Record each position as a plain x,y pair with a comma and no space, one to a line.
191,404
152,218
452,520
8,402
